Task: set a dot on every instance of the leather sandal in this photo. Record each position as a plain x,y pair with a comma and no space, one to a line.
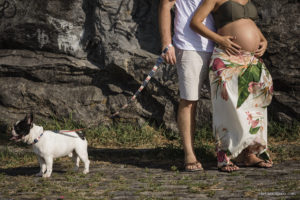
261,163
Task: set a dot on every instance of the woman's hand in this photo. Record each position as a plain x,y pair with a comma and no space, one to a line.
229,46
170,57
261,49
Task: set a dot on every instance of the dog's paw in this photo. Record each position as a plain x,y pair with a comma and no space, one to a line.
40,174
85,171
46,175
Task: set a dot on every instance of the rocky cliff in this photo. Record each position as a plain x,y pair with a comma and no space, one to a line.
87,57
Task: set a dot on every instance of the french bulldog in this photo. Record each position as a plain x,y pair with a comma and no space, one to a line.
48,145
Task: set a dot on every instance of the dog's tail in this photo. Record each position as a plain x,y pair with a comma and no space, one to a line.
81,134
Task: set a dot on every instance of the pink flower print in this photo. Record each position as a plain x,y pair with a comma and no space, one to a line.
254,86
250,87
237,59
249,118
222,157
224,93
218,66
254,123
271,90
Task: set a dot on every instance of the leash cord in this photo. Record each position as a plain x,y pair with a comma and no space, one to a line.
146,81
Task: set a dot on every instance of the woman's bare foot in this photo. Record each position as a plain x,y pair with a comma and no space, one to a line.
229,167
251,160
224,163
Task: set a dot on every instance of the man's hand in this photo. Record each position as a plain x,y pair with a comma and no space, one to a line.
164,17
170,57
261,49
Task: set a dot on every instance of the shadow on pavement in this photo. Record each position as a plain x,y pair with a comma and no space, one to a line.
157,158
163,158
26,171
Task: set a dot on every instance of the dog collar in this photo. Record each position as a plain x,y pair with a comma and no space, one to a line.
37,139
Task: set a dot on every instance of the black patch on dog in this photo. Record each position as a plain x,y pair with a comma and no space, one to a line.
23,127
81,134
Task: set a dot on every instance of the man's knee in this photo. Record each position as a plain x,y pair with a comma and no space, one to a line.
187,103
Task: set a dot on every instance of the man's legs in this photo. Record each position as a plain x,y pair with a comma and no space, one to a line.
186,125
192,70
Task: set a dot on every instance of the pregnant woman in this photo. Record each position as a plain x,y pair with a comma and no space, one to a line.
241,86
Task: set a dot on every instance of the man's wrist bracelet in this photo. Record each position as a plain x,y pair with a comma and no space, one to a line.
166,49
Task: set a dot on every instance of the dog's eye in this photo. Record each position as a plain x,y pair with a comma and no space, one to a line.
17,129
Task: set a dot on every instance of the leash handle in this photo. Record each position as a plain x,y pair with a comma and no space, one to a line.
146,81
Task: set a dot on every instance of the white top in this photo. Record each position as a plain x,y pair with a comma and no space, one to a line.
184,37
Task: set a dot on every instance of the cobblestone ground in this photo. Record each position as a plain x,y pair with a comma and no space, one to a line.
144,177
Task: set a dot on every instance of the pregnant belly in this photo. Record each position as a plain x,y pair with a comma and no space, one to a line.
245,31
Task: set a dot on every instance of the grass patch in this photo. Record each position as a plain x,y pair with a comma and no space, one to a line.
204,135
119,134
200,186
283,131
122,134
10,158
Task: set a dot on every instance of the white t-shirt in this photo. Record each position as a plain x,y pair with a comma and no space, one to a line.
184,37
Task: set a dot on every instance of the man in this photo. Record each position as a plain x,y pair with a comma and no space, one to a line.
191,54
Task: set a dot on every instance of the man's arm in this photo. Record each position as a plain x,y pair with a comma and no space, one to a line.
164,17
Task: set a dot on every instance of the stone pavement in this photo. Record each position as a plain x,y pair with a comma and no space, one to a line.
133,177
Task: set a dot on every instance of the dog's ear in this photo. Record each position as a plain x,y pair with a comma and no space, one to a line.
29,119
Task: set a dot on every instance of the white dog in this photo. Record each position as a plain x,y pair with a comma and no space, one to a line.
48,145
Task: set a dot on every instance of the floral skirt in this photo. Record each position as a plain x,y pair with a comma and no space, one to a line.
241,90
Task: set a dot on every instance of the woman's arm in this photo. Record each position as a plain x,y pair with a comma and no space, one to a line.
262,45
164,19
197,25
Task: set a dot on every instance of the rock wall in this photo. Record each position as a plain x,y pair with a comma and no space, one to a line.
87,57
280,23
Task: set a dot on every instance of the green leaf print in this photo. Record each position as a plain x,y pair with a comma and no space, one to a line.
251,74
243,91
254,130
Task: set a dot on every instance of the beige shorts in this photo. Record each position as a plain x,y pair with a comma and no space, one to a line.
192,70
